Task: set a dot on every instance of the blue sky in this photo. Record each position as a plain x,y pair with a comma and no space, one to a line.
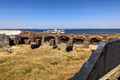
59,13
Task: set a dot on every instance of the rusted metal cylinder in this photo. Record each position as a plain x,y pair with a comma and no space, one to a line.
35,43
69,46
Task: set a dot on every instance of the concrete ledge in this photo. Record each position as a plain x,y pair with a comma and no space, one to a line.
114,74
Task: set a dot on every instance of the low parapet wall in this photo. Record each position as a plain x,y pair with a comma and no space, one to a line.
114,74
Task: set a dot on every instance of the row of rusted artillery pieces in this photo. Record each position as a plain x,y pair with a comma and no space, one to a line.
36,39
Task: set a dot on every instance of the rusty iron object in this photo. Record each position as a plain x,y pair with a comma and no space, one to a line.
69,46
95,38
79,38
66,37
34,45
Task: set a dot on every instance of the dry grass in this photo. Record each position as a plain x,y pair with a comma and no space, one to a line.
43,63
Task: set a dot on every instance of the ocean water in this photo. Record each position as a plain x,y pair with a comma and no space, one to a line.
81,31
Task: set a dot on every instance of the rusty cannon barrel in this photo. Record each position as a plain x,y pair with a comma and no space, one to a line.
35,43
69,46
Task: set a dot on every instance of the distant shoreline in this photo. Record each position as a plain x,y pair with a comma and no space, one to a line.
76,31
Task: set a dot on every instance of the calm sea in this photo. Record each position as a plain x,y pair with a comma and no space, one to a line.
81,31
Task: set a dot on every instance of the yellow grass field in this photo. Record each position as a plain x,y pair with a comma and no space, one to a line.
43,63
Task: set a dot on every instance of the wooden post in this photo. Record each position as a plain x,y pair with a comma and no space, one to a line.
53,43
56,40
43,39
38,41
